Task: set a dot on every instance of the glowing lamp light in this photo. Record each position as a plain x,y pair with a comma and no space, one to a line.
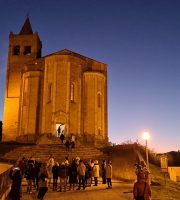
146,135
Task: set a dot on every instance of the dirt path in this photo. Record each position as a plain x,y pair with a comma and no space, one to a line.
120,191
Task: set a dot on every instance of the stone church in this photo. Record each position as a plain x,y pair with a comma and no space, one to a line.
62,91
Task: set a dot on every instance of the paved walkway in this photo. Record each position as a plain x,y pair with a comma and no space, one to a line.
120,191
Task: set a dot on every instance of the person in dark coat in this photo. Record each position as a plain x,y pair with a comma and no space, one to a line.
43,182
16,177
63,177
72,172
30,176
141,189
37,170
59,131
67,144
21,165
55,171
62,138
103,168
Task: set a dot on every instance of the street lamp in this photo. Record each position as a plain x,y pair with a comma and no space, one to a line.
146,137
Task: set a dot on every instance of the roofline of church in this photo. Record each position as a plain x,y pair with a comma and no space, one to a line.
58,52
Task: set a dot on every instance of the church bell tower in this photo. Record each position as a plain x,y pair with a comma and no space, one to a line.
23,47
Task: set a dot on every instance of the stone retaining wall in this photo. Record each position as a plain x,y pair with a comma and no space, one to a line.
5,183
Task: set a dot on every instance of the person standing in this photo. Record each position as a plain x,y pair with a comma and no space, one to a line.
30,176
62,138
55,171
50,165
62,177
145,171
141,189
103,167
73,138
109,175
96,172
67,144
43,182
16,177
72,172
81,172
59,131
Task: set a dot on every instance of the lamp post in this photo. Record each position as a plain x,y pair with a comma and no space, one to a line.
146,137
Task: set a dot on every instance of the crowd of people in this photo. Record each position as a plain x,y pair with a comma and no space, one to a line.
71,175
66,175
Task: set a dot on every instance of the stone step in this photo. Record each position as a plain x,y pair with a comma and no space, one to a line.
57,150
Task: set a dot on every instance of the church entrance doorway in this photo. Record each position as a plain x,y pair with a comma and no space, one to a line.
60,129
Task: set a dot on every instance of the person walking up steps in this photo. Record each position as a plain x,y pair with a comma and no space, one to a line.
62,137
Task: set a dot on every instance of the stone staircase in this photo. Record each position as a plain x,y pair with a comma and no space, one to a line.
58,151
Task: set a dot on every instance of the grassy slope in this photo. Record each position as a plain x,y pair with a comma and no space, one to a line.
124,157
165,191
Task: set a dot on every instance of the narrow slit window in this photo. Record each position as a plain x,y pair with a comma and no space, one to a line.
72,93
99,100
49,95
25,99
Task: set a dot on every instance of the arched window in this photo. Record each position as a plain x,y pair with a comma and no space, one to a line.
72,92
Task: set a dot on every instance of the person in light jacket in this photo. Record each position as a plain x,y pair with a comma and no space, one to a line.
109,175
81,169
96,172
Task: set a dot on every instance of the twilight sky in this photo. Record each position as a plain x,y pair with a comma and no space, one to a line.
138,39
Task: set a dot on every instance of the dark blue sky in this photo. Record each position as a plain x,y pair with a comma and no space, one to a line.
138,39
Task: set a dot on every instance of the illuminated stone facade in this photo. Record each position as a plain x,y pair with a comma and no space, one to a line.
63,88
